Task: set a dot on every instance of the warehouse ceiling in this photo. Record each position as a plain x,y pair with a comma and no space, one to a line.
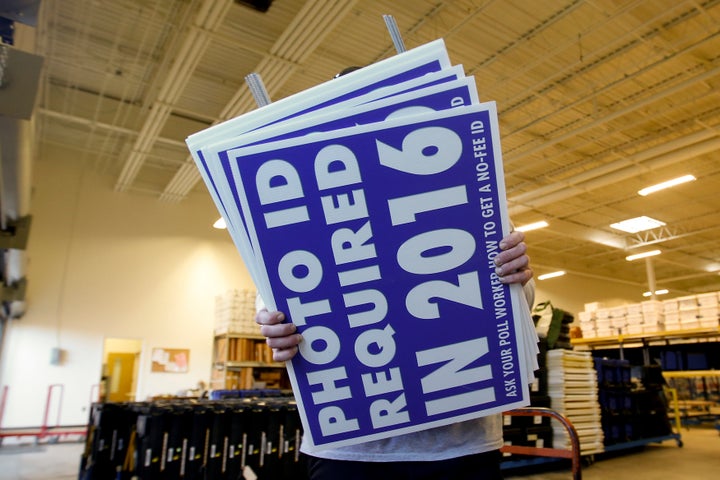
597,99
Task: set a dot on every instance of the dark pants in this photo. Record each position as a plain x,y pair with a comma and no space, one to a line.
482,466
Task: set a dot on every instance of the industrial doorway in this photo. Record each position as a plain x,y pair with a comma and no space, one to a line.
120,369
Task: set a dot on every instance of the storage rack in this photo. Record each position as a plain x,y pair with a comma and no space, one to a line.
698,405
240,361
225,439
241,356
645,340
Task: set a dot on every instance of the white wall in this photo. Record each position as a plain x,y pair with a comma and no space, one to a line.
108,264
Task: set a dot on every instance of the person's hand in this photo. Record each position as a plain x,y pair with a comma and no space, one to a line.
281,337
512,265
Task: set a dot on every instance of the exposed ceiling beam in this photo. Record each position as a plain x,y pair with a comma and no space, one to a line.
194,43
611,173
308,29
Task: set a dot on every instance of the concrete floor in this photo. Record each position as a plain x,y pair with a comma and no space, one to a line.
698,459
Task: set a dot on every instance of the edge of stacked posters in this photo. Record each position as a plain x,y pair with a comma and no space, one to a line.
573,390
369,209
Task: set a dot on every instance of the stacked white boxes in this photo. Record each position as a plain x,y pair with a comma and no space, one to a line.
235,313
573,390
708,311
672,314
651,316
688,312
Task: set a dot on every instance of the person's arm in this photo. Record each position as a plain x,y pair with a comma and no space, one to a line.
512,266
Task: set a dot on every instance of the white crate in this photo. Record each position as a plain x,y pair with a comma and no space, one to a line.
586,316
687,302
606,332
585,326
602,323
634,319
633,308
652,306
633,329
689,314
708,299
709,312
653,328
654,318
618,322
670,306
619,311
673,326
594,306
588,332
708,322
672,317
686,324
602,313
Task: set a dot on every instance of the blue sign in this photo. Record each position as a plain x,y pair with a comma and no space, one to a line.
378,242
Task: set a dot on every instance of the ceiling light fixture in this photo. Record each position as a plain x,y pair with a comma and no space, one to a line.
637,256
668,184
532,226
662,291
220,224
545,276
637,224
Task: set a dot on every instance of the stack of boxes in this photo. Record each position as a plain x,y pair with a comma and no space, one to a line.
235,313
708,310
651,316
692,311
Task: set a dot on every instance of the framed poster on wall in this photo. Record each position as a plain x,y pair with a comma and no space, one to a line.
170,360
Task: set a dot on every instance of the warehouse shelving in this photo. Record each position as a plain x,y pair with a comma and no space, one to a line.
243,361
647,338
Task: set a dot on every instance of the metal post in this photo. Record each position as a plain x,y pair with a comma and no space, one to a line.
258,90
392,27
650,269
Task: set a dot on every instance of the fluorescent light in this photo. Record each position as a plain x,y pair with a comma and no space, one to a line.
668,184
532,226
545,276
657,292
220,224
637,224
650,253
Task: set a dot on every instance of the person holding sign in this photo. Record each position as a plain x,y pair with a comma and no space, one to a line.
464,450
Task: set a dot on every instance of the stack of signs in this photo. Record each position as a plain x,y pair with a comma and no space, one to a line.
369,209
573,389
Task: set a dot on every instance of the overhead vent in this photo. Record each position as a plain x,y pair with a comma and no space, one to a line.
261,5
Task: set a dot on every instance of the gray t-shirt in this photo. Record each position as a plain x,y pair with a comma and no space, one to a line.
440,443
